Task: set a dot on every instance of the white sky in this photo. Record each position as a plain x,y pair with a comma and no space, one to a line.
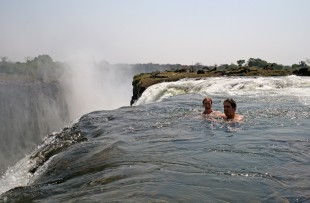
157,31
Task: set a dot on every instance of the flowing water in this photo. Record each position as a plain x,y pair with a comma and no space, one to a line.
163,150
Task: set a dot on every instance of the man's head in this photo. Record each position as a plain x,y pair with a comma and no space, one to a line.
230,107
207,103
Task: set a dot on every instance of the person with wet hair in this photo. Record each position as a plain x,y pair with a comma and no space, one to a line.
230,107
207,103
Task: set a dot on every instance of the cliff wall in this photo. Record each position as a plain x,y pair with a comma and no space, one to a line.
29,110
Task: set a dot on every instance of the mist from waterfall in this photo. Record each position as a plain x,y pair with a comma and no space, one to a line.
32,108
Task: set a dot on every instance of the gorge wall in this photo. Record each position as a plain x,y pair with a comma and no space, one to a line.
29,109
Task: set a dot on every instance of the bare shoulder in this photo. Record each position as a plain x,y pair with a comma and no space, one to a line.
217,114
238,118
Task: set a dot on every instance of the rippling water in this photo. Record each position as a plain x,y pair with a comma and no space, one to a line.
163,150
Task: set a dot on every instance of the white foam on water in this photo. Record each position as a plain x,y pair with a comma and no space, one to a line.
229,87
19,175
16,176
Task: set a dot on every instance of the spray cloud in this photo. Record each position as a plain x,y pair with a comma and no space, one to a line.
90,85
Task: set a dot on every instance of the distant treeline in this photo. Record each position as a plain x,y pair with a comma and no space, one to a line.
43,67
252,62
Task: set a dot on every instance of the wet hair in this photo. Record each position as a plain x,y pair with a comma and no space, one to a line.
232,103
205,99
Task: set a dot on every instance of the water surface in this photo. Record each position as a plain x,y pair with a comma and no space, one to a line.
163,150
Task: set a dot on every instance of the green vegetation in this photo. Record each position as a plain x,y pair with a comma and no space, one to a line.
38,68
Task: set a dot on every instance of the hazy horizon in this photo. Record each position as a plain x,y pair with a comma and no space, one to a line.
163,32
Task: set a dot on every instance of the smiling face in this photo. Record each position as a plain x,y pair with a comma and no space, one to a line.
229,110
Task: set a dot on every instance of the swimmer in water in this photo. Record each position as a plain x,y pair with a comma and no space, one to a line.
230,114
207,103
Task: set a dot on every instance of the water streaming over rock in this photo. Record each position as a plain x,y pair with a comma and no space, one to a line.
163,150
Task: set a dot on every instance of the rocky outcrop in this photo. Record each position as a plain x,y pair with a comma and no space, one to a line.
138,89
141,82
302,72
